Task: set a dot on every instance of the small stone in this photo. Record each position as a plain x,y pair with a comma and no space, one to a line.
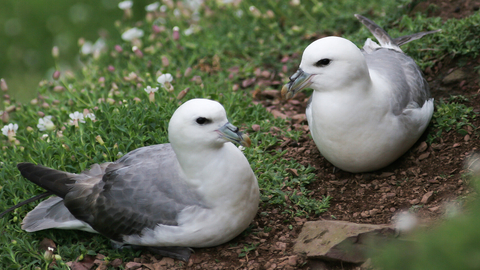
456,76
424,156
256,127
292,260
414,201
427,197
168,261
116,263
132,265
385,174
280,246
422,147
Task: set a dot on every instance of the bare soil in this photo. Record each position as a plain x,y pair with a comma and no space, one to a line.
424,179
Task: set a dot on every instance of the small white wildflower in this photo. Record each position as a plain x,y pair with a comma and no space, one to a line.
99,45
164,78
125,5
89,115
87,48
295,2
132,33
239,13
75,118
45,123
194,5
150,89
151,92
152,7
10,131
163,8
189,30
176,12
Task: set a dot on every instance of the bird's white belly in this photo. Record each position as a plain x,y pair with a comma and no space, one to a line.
359,141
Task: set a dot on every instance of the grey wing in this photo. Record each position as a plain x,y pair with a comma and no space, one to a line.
405,39
378,32
142,189
409,87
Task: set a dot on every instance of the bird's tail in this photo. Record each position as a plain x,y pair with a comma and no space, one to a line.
54,181
385,39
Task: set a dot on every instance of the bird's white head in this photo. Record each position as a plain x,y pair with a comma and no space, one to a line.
202,123
328,64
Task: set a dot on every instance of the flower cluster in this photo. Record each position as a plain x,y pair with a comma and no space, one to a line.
78,117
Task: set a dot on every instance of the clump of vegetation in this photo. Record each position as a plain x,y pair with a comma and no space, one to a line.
451,115
451,245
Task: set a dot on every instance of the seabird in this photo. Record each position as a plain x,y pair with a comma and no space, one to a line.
368,106
196,191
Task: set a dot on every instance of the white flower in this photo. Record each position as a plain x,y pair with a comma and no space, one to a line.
239,13
76,118
89,115
150,89
194,5
152,7
164,78
10,130
176,12
192,29
163,8
125,5
132,33
45,123
88,47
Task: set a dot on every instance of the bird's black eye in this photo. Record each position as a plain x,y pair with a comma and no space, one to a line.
322,62
202,120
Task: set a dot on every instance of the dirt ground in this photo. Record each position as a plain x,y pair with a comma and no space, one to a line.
423,180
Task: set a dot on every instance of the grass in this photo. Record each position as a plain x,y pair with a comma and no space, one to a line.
451,115
111,86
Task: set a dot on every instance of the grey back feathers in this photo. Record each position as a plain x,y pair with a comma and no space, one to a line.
401,70
388,60
114,198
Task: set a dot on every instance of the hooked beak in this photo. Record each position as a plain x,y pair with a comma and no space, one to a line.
298,81
233,134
